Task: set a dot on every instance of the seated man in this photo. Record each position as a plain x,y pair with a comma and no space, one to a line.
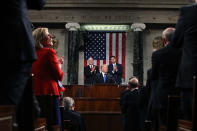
90,71
73,116
104,77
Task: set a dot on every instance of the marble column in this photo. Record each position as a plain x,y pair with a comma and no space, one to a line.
138,70
73,53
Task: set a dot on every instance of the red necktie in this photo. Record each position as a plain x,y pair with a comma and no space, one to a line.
91,67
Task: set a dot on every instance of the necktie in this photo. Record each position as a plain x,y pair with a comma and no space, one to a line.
104,77
91,67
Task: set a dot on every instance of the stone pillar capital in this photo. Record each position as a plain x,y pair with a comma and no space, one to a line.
72,26
138,26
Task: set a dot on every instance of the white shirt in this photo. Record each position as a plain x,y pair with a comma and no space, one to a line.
103,74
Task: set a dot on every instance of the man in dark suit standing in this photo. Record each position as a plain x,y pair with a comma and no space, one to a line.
17,56
90,71
130,106
104,77
19,46
185,38
115,70
165,63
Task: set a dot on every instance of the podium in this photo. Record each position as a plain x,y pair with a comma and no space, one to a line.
98,104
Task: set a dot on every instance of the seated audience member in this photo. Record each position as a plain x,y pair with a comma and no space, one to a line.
90,71
104,77
115,70
130,107
73,116
165,63
47,72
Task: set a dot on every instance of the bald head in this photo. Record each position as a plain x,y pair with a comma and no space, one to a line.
133,82
167,35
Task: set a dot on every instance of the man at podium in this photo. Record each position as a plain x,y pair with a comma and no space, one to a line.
104,77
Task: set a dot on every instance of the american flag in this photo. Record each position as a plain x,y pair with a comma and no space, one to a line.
102,45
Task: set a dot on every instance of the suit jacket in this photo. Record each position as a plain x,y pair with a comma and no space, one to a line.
100,80
17,36
75,118
185,38
46,72
118,74
151,87
89,77
165,63
131,109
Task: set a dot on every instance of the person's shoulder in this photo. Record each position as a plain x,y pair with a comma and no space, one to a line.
98,74
96,66
86,66
118,64
188,8
50,51
109,75
77,114
125,92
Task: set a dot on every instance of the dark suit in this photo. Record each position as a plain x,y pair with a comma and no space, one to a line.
165,63
75,118
19,46
89,76
122,102
131,109
153,106
100,80
185,38
117,74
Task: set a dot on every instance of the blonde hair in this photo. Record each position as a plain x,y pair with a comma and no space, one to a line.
104,65
39,34
158,42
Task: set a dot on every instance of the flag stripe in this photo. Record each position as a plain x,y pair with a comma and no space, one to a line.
120,49
123,53
98,64
107,48
110,47
85,63
117,44
114,44
95,62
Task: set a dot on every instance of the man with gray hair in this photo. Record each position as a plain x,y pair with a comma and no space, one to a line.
73,116
90,71
165,63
